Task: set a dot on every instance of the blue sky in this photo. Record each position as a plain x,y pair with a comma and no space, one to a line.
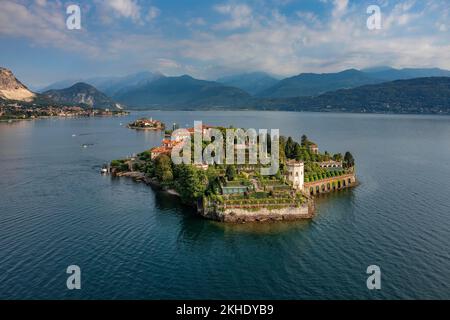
208,39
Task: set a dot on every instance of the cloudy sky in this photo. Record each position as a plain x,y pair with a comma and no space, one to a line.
208,38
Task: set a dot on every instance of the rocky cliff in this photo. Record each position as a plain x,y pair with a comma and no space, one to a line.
13,89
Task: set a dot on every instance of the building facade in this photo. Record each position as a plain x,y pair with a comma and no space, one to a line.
296,173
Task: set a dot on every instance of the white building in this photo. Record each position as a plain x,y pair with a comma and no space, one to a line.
296,173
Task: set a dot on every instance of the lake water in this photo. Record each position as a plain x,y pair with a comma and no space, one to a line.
130,242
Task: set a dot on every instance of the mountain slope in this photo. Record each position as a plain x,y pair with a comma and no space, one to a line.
391,74
81,93
421,95
253,83
312,84
184,91
13,89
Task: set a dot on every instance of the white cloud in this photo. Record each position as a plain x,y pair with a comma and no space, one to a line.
240,16
308,17
109,10
153,13
43,23
124,8
255,39
340,7
282,46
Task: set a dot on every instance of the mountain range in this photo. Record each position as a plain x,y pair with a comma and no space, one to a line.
381,89
312,84
418,95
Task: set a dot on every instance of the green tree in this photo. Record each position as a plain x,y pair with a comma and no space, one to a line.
349,161
304,140
191,183
149,169
298,151
230,172
337,157
167,176
289,148
163,165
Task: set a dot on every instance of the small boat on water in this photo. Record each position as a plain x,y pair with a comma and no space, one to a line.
104,169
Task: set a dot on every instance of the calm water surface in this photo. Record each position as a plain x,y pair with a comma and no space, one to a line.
130,242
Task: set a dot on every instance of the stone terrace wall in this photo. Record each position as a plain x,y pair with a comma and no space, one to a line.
240,215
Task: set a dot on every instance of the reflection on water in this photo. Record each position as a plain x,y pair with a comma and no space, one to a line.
269,228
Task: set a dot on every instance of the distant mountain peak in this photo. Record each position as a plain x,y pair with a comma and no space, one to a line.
83,86
313,84
81,93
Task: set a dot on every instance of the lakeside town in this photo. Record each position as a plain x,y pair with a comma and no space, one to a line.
239,192
13,111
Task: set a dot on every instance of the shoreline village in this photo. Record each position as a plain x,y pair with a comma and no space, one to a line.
240,175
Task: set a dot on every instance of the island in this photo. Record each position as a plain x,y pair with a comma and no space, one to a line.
146,124
239,192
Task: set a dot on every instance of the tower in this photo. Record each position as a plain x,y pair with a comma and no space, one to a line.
295,173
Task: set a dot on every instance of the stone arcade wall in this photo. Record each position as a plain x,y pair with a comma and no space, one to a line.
330,184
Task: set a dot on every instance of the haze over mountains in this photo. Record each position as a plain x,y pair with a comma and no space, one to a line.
109,85
183,91
381,89
254,82
391,74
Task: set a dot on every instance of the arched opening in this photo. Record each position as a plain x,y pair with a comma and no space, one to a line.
339,184
328,186
349,181
311,190
317,189
343,183
323,188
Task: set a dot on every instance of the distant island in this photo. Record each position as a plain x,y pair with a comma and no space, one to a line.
239,193
146,124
